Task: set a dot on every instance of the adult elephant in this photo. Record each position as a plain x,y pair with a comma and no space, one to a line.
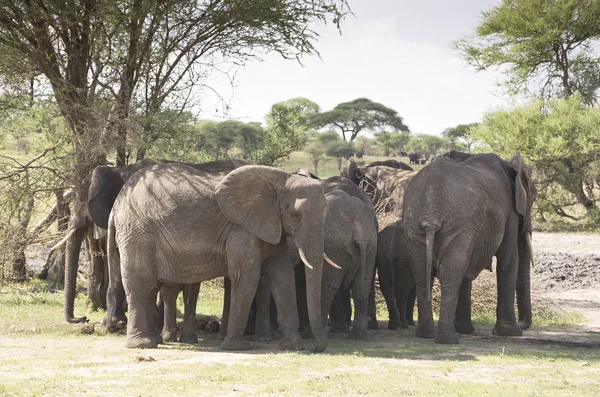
392,163
385,186
174,224
457,216
351,242
341,308
95,187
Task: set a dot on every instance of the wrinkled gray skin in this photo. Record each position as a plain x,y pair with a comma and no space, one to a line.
457,216
384,185
351,242
341,309
101,185
105,185
174,224
396,278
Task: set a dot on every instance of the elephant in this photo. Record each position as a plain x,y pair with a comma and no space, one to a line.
396,278
351,242
174,224
391,163
384,185
341,308
413,158
456,217
96,197
81,226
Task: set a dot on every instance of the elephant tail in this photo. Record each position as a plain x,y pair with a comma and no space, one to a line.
430,229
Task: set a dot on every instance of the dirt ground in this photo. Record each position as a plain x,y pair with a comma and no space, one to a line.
567,271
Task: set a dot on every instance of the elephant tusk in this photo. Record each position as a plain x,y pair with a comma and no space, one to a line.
64,240
529,248
332,263
304,260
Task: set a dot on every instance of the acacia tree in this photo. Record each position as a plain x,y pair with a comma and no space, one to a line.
560,139
546,46
362,114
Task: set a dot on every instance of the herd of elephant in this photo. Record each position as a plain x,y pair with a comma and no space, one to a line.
307,244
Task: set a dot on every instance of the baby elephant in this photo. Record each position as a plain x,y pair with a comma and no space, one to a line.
395,276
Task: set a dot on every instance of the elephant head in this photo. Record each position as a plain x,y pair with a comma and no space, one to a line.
272,205
525,193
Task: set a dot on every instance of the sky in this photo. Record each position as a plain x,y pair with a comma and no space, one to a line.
396,52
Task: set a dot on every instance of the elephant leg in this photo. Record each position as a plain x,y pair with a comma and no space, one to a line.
410,306
371,307
450,273
115,301
462,319
168,296
141,332
302,307
425,327
386,283
273,315
361,285
281,275
337,315
506,274
251,325
345,297
262,331
226,305
190,300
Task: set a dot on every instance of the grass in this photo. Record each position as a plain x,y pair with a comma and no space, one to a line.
43,355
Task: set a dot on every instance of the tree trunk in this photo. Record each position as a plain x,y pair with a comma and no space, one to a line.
21,240
54,269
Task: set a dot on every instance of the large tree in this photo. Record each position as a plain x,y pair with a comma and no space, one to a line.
362,114
460,132
546,47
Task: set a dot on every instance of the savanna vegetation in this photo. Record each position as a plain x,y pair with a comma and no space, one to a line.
92,83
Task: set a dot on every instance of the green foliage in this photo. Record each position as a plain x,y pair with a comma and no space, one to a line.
287,130
327,137
362,114
316,153
545,46
425,145
459,135
560,140
391,142
340,150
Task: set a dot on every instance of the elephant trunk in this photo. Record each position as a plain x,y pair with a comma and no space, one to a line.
314,248
71,267
524,280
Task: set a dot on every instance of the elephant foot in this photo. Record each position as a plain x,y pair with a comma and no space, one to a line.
263,333
306,333
337,327
168,336
394,323
188,337
507,329
291,342
524,324
235,344
115,324
464,327
446,338
222,334
425,331
373,324
141,343
358,334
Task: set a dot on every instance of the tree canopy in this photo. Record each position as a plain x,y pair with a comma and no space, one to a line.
460,133
560,139
362,114
546,46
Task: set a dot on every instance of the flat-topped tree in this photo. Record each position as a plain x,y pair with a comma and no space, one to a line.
362,114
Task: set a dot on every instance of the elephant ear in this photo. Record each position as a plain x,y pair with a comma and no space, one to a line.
305,172
522,183
247,196
105,185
